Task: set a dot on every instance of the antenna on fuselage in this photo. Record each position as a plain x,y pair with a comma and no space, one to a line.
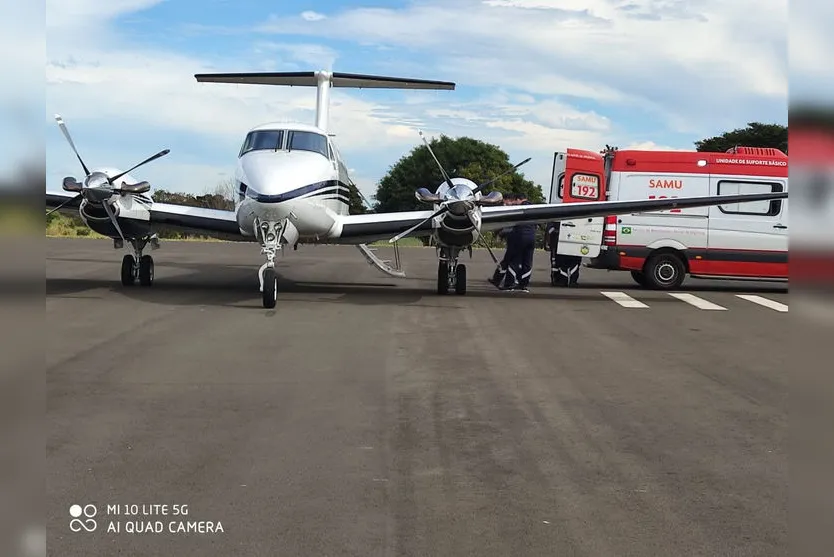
323,80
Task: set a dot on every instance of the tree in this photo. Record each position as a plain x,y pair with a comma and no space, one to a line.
462,157
356,205
755,134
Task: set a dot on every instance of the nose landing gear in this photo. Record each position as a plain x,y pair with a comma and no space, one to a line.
450,274
269,234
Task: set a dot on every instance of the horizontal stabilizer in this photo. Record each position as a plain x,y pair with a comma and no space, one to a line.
337,79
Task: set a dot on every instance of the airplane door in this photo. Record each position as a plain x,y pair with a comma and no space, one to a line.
578,176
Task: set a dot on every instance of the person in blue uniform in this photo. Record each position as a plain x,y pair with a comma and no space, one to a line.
520,267
564,269
500,275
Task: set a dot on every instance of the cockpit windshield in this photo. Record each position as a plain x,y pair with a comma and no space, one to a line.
263,140
308,141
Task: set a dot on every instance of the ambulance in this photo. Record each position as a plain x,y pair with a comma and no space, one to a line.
747,241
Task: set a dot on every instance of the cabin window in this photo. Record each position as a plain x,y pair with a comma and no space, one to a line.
262,140
308,141
756,208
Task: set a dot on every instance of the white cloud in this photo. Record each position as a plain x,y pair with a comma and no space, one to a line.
680,58
652,146
310,15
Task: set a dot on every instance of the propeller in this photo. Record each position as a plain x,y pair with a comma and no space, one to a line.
97,186
424,195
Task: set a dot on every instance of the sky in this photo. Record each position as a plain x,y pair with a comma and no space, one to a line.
533,77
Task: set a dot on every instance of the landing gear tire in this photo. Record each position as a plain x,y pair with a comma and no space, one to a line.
146,270
442,277
664,271
128,264
270,288
639,278
460,279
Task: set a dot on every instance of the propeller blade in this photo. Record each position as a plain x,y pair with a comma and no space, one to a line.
484,243
65,131
112,216
442,171
485,184
146,161
67,202
402,235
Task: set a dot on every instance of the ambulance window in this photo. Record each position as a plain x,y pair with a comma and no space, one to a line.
754,208
560,192
584,186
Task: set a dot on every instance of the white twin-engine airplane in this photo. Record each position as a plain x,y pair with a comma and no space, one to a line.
293,187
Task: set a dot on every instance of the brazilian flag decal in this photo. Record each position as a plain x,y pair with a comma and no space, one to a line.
626,230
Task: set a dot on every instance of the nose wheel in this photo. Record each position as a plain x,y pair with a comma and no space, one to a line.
451,275
270,287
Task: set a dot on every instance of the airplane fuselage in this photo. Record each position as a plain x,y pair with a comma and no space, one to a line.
291,173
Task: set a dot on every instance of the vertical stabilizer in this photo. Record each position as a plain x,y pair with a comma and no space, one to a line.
323,80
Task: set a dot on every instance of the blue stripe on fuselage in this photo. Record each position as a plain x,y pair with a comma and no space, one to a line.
292,194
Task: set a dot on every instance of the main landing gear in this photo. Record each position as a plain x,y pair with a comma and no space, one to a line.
269,234
138,266
451,275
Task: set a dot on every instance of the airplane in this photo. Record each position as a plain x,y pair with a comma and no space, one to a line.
292,187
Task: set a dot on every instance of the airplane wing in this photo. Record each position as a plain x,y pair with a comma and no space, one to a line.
215,223
212,223
357,229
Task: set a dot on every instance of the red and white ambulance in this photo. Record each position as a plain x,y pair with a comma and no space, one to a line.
747,241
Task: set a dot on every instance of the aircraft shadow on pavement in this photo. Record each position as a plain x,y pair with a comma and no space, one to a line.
236,287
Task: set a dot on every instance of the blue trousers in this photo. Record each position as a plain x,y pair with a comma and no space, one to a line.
521,263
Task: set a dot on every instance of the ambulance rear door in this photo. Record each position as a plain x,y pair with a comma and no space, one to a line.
583,174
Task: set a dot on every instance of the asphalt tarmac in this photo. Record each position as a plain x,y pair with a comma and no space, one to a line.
365,415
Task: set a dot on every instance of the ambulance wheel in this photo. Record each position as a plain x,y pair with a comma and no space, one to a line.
128,278
442,277
664,271
460,279
639,278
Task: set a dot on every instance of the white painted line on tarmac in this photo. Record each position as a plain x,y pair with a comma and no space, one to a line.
772,304
624,299
699,303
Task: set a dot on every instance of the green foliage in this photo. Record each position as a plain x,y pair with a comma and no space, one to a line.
356,205
754,135
462,157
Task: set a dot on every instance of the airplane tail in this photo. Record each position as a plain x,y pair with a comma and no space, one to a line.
323,81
